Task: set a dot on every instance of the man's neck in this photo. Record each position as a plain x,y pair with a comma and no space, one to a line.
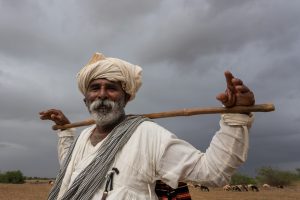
100,132
97,136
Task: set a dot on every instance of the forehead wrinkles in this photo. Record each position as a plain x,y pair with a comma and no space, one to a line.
105,82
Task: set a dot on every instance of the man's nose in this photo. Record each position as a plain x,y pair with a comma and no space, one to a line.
102,94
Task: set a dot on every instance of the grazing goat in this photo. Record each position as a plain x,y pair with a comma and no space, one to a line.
51,182
254,188
227,188
244,188
266,186
202,187
236,188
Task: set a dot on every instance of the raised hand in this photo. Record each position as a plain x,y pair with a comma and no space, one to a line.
236,94
57,116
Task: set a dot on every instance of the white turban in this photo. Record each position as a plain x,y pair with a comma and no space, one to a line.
112,69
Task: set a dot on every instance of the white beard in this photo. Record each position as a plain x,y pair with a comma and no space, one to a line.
106,112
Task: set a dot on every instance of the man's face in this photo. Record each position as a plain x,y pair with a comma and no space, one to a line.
105,101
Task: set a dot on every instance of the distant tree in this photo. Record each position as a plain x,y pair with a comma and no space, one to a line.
12,177
298,172
15,176
275,177
240,179
3,178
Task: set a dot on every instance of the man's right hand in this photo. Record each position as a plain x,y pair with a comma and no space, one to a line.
57,116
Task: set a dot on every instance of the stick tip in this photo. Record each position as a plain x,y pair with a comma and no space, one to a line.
270,106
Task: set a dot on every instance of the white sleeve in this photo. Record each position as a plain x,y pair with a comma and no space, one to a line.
180,161
65,140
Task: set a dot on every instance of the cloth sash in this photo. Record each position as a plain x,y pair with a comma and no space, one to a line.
164,192
92,177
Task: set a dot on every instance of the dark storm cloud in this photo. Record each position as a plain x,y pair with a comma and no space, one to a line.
194,31
117,13
7,145
183,46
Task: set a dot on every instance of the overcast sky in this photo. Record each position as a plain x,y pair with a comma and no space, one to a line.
183,46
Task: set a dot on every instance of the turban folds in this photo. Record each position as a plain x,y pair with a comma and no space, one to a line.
112,69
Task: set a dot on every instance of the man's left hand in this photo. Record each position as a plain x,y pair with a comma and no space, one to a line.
236,94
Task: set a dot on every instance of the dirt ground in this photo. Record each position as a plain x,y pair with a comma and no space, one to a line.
39,191
27,191
289,193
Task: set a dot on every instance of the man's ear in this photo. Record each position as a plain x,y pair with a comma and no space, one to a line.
84,100
127,97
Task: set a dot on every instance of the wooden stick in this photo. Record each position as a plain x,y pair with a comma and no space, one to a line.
186,112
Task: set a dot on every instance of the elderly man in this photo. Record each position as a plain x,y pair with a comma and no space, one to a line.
121,157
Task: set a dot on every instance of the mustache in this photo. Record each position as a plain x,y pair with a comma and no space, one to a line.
101,104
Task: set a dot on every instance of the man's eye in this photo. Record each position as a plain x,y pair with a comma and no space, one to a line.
111,88
93,88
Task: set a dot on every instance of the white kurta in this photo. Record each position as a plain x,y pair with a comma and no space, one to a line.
153,153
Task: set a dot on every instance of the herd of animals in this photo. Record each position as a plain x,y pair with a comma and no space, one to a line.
237,188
